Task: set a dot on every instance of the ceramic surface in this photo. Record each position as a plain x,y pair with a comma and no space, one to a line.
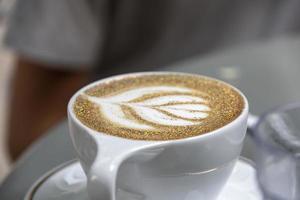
150,170
68,182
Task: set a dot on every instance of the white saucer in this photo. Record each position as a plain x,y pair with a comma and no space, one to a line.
68,182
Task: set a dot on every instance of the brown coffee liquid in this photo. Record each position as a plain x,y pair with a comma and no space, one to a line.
158,106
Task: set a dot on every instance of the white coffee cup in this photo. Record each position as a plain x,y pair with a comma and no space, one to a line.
184,169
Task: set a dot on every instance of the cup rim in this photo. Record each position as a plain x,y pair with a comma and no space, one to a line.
210,134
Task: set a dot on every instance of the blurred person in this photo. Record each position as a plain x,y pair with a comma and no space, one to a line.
63,44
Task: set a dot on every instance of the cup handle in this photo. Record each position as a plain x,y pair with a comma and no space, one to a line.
110,154
101,184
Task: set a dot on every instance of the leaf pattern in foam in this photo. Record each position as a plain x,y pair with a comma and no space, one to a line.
182,108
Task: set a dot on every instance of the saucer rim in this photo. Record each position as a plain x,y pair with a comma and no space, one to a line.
40,181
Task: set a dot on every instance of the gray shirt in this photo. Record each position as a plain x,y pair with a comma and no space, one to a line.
114,36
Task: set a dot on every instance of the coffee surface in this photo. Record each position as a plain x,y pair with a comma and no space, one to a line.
158,106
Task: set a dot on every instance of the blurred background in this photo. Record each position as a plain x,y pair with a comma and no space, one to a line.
6,68
51,48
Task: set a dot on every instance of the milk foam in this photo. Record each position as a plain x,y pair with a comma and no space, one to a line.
168,106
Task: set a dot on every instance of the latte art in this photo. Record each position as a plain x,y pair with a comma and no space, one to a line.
165,106
158,106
